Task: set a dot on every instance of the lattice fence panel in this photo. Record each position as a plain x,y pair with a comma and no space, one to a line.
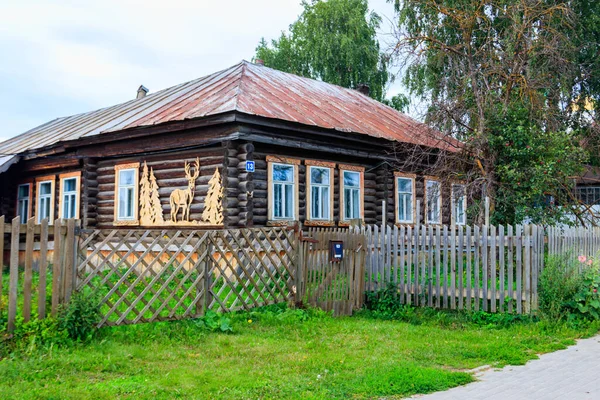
145,276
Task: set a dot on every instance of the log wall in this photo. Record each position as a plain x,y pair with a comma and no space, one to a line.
170,175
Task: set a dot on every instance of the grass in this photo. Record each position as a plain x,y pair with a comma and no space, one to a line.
290,354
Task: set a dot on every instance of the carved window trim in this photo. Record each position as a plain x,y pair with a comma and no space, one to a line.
62,177
413,179
294,163
38,182
310,164
426,200
452,205
30,201
361,170
136,192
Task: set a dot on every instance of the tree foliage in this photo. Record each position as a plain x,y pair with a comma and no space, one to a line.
334,41
503,76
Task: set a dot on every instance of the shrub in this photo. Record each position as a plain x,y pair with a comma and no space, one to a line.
586,302
81,316
559,283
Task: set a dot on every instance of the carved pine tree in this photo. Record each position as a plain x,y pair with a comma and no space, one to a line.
213,206
145,208
150,207
155,206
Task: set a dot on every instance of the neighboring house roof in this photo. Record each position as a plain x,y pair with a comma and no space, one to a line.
246,88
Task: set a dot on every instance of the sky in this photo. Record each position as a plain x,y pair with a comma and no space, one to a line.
63,57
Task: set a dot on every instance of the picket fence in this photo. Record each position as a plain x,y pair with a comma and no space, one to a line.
54,248
485,268
575,241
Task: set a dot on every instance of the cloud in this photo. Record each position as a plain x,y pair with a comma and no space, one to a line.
66,57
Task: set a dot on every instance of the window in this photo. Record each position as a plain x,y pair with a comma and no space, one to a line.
23,202
283,191
351,187
126,194
405,199
45,199
69,195
459,204
433,194
320,191
283,188
589,195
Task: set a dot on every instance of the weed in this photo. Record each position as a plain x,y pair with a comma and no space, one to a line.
80,316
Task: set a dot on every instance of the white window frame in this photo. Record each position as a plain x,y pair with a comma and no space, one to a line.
321,186
463,221
48,197
429,220
411,178
361,189
287,162
24,216
134,219
75,193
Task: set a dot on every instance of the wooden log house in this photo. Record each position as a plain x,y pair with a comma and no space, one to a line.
248,146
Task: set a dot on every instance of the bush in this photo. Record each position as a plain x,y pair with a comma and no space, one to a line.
559,283
586,302
81,316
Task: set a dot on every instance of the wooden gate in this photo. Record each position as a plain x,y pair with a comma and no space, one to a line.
145,276
332,286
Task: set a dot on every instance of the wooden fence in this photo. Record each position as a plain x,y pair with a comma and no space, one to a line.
575,241
157,275
465,268
146,276
332,285
48,250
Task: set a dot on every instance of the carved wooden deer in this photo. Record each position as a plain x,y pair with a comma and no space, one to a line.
182,198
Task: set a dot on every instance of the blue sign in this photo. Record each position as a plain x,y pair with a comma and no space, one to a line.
249,166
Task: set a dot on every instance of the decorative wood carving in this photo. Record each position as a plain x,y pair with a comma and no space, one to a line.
150,208
283,160
213,207
349,167
182,198
151,212
318,163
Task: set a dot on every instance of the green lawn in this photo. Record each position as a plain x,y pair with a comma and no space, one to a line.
276,356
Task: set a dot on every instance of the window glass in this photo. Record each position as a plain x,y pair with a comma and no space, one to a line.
320,193
434,201
283,190
460,204
23,203
351,179
126,194
351,195
405,199
283,173
69,199
45,199
319,176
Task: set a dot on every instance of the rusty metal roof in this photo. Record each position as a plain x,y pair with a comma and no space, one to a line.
246,88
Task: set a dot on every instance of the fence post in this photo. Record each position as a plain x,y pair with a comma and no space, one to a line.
14,274
208,274
28,275
68,260
57,267
43,269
